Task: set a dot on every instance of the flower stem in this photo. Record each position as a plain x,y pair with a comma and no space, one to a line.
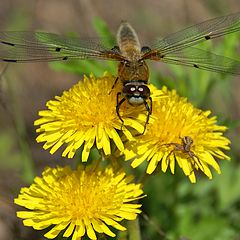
134,229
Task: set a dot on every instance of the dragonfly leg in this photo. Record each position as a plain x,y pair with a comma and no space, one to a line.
119,103
113,86
149,112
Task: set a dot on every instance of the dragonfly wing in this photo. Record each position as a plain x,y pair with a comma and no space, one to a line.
201,59
39,46
198,33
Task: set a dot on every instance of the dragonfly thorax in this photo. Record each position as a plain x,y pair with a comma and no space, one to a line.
133,71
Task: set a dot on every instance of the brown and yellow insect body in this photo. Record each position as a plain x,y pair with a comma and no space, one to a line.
133,71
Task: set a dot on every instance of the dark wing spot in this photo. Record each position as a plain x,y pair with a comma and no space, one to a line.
195,65
58,49
8,43
65,58
9,60
116,49
145,49
207,37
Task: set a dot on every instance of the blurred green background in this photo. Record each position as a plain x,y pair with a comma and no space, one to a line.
174,208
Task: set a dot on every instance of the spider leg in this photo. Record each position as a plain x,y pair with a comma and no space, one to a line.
198,162
168,156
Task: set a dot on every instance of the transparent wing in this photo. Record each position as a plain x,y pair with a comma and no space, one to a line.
201,59
177,48
198,33
39,46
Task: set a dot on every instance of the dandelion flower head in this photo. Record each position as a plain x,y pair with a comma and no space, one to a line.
175,121
79,202
86,115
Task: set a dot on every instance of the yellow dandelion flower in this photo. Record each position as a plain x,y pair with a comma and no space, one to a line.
182,134
79,202
86,115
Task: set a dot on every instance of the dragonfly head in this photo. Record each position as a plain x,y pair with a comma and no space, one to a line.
136,92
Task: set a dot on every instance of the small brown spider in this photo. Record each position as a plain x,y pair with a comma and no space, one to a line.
184,147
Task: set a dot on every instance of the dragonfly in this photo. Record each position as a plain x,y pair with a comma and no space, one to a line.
177,48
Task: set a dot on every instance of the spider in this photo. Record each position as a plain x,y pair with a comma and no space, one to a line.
185,147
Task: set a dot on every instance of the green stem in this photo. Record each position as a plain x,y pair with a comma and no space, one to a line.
134,229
